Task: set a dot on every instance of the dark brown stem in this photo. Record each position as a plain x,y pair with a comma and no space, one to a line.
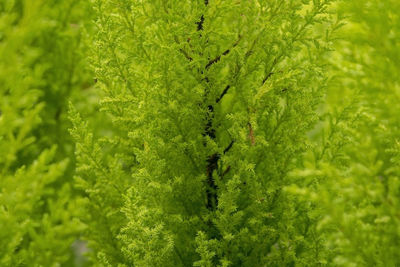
209,131
267,77
270,70
226,150
251,135
201,22
226,52
186,54
223,93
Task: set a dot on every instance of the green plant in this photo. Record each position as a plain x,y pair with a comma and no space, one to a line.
199,133
353,172
40,57
210,103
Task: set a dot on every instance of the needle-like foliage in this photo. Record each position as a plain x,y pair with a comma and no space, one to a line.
210,103
199,133
355,163
40,65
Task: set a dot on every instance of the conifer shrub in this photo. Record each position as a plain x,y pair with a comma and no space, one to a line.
353,172
210,104
373,189
40,65
199,133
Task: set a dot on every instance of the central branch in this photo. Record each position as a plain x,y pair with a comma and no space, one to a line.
209,131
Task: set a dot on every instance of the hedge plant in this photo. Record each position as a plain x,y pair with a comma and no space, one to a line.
40,66
199,133
210,104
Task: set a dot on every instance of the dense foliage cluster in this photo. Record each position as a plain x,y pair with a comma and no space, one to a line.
199,133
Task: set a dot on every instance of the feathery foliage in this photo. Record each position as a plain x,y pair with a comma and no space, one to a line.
354,168
199,133
210,103
40,65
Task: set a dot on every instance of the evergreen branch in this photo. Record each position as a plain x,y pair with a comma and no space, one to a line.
270,73
267,77
226,150
186,54
223,93
226,171
201,22
251,134
212,161
226,52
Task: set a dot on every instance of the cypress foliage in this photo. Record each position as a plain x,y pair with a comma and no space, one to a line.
354,165
40,65
199,133
210,103
371,210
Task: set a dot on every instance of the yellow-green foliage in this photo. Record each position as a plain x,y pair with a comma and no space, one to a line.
199,133
353,173
210,103
40,65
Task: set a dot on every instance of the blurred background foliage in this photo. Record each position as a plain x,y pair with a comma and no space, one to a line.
42,67
352,172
